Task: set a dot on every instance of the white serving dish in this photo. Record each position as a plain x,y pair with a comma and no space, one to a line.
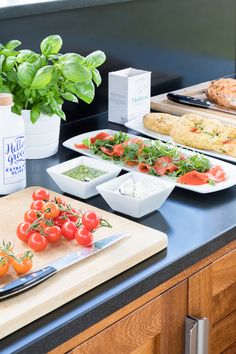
132,206
75,187
229,169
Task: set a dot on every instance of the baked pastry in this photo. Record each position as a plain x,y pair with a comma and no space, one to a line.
159,122
207,134
195,131
223,92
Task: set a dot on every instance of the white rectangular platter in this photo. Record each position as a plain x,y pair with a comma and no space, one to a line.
137,124
229,169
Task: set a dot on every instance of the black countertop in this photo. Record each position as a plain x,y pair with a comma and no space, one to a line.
196,224
19,8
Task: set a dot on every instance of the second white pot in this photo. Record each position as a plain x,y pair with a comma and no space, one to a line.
41,138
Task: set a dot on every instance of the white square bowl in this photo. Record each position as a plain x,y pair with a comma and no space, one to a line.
77,188
133,206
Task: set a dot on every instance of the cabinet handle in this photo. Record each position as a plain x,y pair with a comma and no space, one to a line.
196,335
190,336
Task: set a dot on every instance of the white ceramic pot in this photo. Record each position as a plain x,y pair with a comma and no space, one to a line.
41,138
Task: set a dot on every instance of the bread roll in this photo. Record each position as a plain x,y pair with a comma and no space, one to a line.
223,92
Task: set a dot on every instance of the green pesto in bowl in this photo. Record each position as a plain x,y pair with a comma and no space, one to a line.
84,173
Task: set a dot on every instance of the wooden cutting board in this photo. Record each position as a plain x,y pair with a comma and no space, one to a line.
163,104
70,283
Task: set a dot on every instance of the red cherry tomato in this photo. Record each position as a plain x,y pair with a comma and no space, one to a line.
37,242
50,210
23,263
73,218
22,233
91,220
37,204
53,233
61,219
68,230
83,236
41,194
31,215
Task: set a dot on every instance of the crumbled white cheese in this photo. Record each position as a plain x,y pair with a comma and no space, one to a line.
139,189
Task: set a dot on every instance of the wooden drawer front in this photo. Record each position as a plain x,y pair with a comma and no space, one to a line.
224,286
147,330
212,294
224,334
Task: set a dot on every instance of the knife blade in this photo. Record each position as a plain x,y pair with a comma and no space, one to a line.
29,280
198,102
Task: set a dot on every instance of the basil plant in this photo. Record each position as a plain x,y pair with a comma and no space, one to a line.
41,82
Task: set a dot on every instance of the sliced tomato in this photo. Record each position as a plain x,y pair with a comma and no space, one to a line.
193,178
144,167
81,146
216,174
107,151
118,150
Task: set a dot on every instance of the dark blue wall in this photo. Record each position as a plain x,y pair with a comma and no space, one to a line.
182,42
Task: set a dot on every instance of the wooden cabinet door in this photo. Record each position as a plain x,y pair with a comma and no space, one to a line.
212,294
157,327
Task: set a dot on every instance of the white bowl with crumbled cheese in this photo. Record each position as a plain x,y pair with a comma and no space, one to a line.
135,194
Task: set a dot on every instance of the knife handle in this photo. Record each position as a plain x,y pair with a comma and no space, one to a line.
191,101
26,282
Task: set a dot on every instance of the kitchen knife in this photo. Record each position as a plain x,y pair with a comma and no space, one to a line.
197,102
29,280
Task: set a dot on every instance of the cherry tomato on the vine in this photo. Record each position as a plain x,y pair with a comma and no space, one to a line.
53,233
41,194
72,217
50,210
68,230
83,236
22,233
37,204
37,242
31,215
23,263
61,219
91,220
4,266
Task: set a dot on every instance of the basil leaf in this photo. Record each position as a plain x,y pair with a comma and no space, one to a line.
96,77
42,77
27,56
95,59
69,97
34,114
71,57
4,89
76,72
12,44
8,63
1,61
26,73
86,91
8,52
51,44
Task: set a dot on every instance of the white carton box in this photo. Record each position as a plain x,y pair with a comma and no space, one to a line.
129,94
